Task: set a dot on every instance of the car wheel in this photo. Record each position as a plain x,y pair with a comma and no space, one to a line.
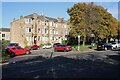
106,48
116,47
27,52
12,54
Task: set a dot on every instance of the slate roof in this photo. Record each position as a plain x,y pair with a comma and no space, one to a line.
42,17
5,29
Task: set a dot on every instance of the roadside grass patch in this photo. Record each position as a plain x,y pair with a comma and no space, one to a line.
81,47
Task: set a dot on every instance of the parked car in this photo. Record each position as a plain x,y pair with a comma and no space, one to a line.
34,47
62,47
55,44
104,46
10,46
17,50
115,45
47,46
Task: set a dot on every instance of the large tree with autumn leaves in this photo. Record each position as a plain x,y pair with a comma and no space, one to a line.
88,18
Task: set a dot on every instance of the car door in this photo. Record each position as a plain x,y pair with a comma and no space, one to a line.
57,47
61,47
20,50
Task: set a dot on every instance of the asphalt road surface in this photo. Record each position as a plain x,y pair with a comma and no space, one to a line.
39,64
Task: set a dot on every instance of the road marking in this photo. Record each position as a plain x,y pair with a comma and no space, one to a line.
33,62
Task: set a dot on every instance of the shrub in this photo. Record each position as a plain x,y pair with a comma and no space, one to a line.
48,44
64,41
2,47
41,45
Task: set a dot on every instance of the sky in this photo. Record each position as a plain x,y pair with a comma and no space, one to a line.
53,9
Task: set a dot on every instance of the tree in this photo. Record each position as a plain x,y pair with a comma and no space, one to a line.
86,19
118,30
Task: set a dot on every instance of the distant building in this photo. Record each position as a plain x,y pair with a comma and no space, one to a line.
37,29
4,33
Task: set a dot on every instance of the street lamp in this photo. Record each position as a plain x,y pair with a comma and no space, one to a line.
78,42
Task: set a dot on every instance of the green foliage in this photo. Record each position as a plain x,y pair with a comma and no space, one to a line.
48,44
64,42
41,45
27,46
3,45
86,19
25,42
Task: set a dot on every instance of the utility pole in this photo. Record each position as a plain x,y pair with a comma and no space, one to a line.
78,42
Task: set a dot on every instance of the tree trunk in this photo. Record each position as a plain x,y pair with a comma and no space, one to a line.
106,39
84,39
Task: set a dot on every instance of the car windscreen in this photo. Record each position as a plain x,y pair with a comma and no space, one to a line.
61,45
13,44
113,43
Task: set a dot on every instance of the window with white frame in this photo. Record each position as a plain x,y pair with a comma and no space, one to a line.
50,38
50,23
28,30
3,35
43,31
38,38
27,21
51,32
56,25
31,22
39,30
46,31
43,23
56,31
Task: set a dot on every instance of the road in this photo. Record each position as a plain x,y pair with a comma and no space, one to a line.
89,64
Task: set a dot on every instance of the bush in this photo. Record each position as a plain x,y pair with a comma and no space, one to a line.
27,46
64,41
48,44
2,47
41,45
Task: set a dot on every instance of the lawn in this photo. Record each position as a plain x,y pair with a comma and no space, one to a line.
81,47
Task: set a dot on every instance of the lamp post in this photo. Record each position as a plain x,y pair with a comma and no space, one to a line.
78,42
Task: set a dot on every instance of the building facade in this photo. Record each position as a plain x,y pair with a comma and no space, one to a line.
38,29
4,33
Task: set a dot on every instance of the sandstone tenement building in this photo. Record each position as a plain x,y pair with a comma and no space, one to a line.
37,29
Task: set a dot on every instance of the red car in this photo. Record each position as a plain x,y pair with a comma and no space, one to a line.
34,47
62,47
10,46
17,50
